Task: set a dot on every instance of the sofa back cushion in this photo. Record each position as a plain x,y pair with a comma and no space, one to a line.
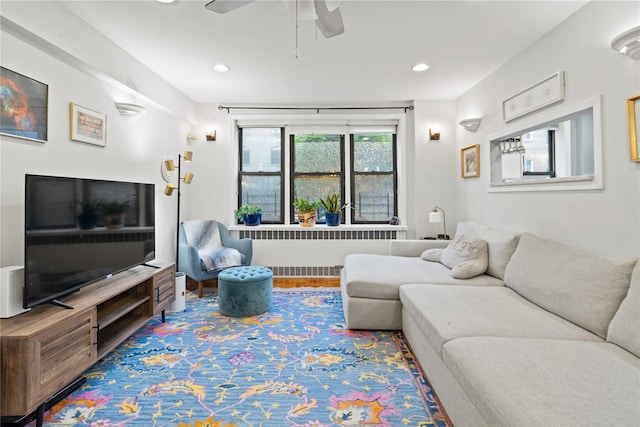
581,288
500,243
624,329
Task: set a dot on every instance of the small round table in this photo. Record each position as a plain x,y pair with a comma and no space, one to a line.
245,291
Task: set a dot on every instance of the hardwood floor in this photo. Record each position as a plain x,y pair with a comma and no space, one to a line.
282,282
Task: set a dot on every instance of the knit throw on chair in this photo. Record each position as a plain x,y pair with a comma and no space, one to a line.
205,236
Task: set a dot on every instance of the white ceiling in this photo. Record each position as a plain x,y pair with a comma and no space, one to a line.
462,41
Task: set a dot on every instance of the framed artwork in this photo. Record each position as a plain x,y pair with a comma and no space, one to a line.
24,106
470,161
543,93
633,109
87,125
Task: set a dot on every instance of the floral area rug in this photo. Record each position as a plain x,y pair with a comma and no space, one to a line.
293,366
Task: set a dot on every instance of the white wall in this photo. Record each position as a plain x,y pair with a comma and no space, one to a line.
602,221
134,150
434,168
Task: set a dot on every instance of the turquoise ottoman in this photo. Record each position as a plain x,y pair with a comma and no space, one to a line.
245,291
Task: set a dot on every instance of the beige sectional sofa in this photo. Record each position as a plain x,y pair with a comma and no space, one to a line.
547,336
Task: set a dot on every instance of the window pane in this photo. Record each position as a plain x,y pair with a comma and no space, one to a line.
373,152
374,197
263,191
536,151
314,188
258,146
317,153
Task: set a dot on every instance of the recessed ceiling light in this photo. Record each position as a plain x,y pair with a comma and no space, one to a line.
221,68
420,67
165,1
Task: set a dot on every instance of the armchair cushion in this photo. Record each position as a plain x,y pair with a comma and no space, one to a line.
205,237
189,259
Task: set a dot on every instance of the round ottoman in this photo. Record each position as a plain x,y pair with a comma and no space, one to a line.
245,291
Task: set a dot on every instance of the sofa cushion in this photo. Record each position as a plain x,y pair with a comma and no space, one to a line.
624,329
536,382
466,257
433,254
445,313
500,243
380,276
584,289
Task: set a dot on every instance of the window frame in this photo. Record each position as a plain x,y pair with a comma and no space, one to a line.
280,173
551,147
293,174
353,174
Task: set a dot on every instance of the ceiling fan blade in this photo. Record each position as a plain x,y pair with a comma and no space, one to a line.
224,6
329,22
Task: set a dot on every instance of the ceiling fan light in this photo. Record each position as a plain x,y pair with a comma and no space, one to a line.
306,10
332,4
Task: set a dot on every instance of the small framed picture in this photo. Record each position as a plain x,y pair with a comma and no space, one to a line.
87,125
633,109
24,111
470,161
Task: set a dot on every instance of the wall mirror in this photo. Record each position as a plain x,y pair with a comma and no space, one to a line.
558,150
633,108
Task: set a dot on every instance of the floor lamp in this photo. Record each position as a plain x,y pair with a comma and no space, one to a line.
437,215
168,190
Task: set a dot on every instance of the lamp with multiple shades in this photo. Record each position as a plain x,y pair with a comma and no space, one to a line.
168,190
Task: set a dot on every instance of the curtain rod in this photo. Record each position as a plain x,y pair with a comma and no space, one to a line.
316,109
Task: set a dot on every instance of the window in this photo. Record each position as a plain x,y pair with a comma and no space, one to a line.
317,167
358,164
373,182
260,178
559,150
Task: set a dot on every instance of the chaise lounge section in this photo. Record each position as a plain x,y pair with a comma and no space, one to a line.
555,340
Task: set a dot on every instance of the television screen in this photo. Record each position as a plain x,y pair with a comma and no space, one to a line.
78,231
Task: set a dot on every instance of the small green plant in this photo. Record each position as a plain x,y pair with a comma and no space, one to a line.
332,203
304,205
88,207
247,209
114,207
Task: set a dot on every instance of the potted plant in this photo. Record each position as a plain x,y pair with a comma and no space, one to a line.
332,205
307,211
249,214
88,213
113,213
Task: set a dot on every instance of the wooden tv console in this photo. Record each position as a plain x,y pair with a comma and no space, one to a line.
45,349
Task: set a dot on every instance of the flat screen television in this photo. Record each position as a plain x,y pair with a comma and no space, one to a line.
79,231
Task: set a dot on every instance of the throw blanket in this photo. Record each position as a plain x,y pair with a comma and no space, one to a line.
205,236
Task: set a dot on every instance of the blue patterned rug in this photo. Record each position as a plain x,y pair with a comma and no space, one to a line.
294,366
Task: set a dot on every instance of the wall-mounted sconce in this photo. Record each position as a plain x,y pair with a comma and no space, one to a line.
628,43
437,215
130,110
471,125
168,190
211,135
191,137
434,135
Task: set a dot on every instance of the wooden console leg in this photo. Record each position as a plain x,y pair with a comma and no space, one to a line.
200,288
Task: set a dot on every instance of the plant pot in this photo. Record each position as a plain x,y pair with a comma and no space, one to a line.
307,219
114,220
87,221
333,219
252,219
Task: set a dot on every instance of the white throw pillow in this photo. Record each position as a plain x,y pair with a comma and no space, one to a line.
433,254
466,257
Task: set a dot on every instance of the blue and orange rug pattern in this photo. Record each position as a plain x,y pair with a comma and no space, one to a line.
294,366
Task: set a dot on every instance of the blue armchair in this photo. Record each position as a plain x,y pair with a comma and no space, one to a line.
189,260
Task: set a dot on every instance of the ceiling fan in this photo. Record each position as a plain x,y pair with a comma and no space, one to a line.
325,12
